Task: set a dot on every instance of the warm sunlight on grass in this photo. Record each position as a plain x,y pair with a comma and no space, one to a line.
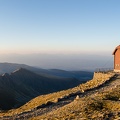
99,78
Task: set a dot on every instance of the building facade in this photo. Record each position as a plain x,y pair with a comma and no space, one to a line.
116,54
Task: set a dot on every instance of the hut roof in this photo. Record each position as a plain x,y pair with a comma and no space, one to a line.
118,47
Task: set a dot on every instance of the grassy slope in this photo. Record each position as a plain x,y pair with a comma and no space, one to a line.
53,97
102,107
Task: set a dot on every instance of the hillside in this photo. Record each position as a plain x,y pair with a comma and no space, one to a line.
83,76
22,85
102,103
95,99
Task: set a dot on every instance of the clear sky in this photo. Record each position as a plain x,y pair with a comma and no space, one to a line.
59,27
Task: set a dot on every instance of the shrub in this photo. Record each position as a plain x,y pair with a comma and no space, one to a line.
96,105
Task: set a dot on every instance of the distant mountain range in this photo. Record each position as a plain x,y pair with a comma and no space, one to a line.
23,85
20,83
80,75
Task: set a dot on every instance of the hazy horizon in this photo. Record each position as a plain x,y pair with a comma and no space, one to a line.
61,61
63,34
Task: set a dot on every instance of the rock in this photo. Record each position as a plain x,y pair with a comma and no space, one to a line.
82,91
77,97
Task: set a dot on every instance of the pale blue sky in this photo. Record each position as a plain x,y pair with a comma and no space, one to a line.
59,26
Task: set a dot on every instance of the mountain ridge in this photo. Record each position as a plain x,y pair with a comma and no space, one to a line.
23,85
84,101
80,75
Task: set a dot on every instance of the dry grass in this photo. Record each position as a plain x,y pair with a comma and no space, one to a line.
88,108
43,99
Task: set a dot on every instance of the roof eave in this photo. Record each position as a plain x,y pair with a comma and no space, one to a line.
114,51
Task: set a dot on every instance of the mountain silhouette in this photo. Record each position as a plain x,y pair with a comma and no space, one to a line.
80,75
22,85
